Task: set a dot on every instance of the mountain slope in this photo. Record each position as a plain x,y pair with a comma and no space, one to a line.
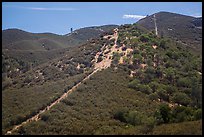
143,81
22,50
15,38
184,29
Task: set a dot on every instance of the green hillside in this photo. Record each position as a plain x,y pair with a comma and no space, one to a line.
123,81
24,50
183,29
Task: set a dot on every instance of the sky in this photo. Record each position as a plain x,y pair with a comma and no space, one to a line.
60,17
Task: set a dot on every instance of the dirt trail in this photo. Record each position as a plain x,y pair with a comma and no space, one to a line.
37,116
98,66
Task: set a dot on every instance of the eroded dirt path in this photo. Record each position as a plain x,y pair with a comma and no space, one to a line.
107,58
37,116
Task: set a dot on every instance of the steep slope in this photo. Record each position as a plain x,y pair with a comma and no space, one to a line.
144,81
184,29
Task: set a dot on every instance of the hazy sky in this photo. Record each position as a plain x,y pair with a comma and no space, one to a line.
59,17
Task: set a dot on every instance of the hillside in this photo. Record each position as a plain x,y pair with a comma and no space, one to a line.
184,29
23,50
135,83
22,40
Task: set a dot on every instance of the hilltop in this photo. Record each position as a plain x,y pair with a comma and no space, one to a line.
184,29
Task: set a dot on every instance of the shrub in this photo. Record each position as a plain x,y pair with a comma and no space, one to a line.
145,89
163,94
182,113
144,38
154,85
196,93
198,114
153,96
181,98
149,125
134,84
120,115
162,44
171,89
164,111
184,82
130,117
134,118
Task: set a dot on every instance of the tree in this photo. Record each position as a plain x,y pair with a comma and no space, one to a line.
165,112
196,93
170,74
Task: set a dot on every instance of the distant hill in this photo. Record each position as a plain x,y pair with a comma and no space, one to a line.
197,22
25,49
184,29
22,40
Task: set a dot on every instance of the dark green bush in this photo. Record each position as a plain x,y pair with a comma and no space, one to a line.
198,114
131,117
153,96
184,82
162,93
181,98
164,111
144,38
